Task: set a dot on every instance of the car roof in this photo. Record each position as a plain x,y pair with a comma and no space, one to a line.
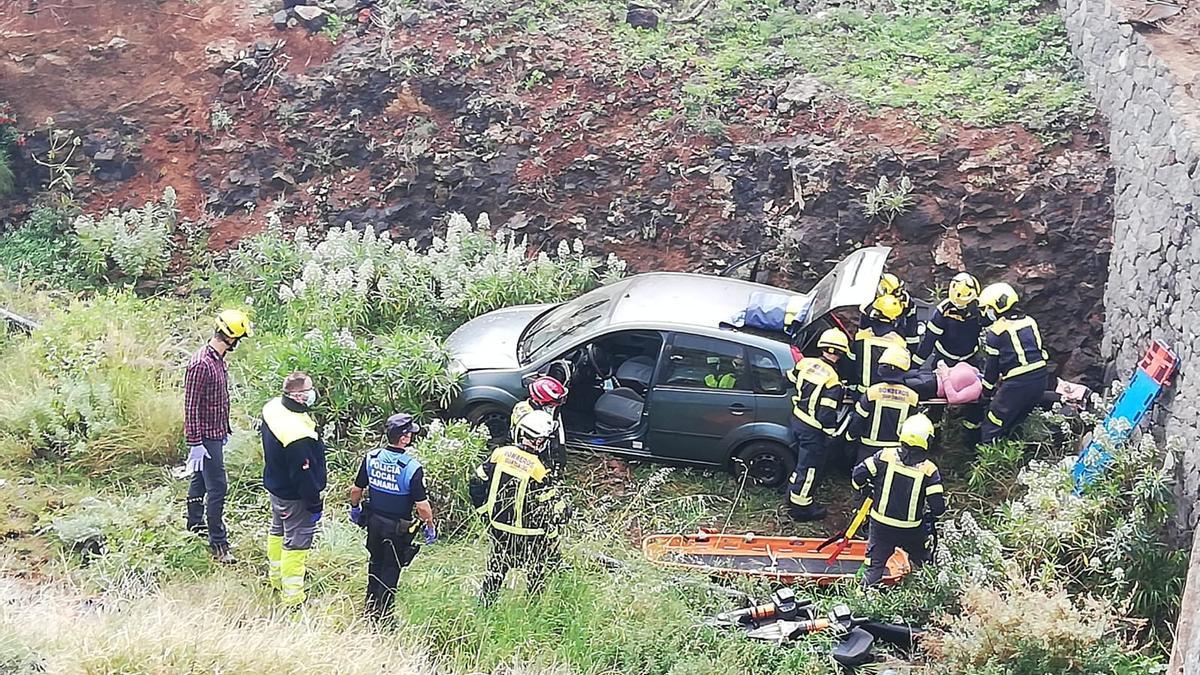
677,299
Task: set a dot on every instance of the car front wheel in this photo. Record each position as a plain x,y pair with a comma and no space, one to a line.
492,418
765,463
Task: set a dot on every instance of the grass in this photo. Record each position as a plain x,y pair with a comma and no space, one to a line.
982,62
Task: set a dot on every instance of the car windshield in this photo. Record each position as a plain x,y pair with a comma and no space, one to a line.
549,329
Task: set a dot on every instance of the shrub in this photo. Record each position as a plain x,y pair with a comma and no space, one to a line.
450,453
363,281
132,543
97,385
1024,630
136,243
360,379
41,248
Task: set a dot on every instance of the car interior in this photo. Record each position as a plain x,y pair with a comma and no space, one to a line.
611,378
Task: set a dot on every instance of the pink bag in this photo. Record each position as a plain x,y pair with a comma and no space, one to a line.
960,384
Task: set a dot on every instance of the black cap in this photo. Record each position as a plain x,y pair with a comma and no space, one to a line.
400,424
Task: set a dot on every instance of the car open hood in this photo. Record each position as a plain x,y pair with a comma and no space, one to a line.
490,341
851,283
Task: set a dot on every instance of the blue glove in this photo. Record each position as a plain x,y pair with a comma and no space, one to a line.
312,519
356,515
430,535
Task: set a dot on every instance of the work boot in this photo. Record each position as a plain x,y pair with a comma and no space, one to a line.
807,513
223,555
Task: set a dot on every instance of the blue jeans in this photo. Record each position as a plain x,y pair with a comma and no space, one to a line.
207,492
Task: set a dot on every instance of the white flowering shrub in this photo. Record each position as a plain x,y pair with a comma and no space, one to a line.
361,379
136,243
450,453
359,280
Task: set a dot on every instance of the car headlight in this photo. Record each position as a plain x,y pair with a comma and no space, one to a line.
456,369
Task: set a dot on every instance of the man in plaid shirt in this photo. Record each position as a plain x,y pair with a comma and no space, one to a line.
206,430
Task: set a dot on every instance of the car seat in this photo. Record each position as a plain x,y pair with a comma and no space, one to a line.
635,374
619,410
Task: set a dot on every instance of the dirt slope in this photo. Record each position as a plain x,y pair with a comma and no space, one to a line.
545,134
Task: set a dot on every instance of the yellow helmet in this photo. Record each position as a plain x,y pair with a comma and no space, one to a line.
889,284
964,288
833,339
897,357
888,307
998,299
916,431
234,324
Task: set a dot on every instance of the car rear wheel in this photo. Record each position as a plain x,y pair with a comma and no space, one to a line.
493,418
766,463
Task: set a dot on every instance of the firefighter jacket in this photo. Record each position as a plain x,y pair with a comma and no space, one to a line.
293,454
905,486
952,332
907,324
527,406
818,394
516,492
865,352
1014,347
880,412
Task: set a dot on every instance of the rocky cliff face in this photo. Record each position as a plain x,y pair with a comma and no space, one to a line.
544,135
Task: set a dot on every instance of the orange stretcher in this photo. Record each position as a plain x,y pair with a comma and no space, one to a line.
783,559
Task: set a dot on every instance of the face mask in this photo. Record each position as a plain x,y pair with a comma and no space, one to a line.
311,398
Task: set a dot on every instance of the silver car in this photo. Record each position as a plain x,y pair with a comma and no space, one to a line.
660,372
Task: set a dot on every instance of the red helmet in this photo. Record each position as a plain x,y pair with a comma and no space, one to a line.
547,391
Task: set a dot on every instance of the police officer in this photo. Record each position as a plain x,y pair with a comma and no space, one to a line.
884,407
952,333
395,483
870,342
907,498
905,322
516,491
1015,370
294,475
819,392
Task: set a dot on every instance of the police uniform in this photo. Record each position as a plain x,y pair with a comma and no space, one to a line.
516,492
907,493
951,335
869,345
814,421
1014,374
878,415
395,482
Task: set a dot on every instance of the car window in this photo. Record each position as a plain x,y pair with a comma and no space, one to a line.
765,373
549,330
704,363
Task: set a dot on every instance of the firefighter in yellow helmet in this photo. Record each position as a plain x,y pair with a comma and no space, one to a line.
952,333
907,497
871,341
516,491
905,322
819,393
1015,368
884,407
206,430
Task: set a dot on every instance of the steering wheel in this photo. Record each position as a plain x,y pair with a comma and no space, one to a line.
600,361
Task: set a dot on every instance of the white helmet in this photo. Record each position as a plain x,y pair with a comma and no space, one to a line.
534,429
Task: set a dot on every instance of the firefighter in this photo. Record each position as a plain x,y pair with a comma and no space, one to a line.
952,333
819,393
870,342
515,489
884,407
549,394
907,498
394,482
1015,369
905,322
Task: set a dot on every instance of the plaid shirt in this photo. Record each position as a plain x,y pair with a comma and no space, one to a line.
205,397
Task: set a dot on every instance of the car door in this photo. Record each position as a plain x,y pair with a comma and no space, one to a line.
702,392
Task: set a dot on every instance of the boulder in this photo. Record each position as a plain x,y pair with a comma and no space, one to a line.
280,20
313,18
642,17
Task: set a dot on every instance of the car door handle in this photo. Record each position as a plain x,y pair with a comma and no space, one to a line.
738,408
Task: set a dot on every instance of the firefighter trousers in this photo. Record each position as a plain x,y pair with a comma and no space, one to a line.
882,542
1015,398
811,446
538,555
